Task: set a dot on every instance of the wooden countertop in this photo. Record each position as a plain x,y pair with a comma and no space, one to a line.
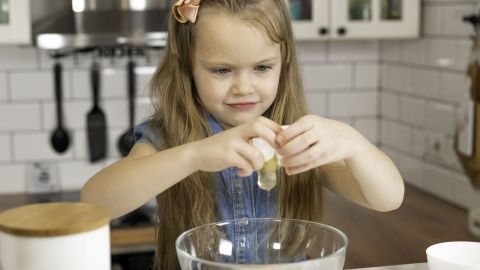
375,239
397,237
416,266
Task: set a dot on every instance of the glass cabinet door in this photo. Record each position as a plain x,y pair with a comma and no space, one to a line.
15,24
310,18
4,12
375,18
300,10
391,10
360,10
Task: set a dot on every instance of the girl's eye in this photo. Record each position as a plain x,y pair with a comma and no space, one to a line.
221,71
263,68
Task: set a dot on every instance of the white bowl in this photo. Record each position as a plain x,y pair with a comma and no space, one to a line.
454,256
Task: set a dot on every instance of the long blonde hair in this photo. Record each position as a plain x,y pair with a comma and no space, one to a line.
180,119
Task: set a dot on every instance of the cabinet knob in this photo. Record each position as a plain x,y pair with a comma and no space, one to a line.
323,31
341,31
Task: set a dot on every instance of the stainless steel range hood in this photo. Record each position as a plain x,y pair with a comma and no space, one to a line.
105,23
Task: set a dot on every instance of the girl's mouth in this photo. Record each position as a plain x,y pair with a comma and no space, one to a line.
242,106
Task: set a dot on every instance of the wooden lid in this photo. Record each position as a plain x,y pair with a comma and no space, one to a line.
53,219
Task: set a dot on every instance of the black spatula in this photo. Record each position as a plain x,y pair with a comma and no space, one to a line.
96,122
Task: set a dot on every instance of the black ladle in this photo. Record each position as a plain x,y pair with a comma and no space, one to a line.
59,139
127,139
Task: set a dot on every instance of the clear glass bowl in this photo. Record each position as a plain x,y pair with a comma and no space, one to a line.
262,243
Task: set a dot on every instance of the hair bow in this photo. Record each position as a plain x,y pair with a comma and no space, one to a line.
186,10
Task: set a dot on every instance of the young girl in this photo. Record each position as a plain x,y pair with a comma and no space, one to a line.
230,74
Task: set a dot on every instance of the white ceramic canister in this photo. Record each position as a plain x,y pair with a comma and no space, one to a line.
55,236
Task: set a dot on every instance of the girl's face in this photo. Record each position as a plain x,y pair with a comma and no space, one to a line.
236,68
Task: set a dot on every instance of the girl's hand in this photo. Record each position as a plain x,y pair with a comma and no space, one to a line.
313,141
232,147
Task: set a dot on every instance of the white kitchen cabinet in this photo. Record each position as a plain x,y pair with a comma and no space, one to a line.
15,24
17,18
354,19
310,18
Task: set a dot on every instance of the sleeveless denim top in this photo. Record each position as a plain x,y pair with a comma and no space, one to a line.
237,197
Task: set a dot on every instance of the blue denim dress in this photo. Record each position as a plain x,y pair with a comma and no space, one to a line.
237,198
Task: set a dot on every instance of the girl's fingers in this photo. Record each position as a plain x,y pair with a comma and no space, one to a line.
294,130
243,165
252,155
299,144
298,169
264,128
323,159
309,155
274,126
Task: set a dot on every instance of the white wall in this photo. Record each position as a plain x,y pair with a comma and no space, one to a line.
401,94
422,84
337,77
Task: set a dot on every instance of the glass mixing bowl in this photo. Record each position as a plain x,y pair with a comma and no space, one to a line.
262,243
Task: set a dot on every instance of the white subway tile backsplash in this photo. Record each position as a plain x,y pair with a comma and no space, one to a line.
438,181
414,51
113,83
353,51
19,117
5,152
353,104
36,85
143,109
74,114
463,54
14,57
425,82
430,79
36,146
440,117
463,192
453,87
79,144
113,138
391,50
453,17
317,103
389,105
13,178
368,128
335,73
396,135
395,78
441,52
3,87
116,112
74,174
412,110
143,76
312,52
366,76
412,170
433,21
450,155
418,143
327,77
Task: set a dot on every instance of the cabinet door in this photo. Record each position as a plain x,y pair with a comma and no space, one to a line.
375,18
15,26
310,18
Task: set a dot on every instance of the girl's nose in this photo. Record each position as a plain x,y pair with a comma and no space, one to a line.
243,84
